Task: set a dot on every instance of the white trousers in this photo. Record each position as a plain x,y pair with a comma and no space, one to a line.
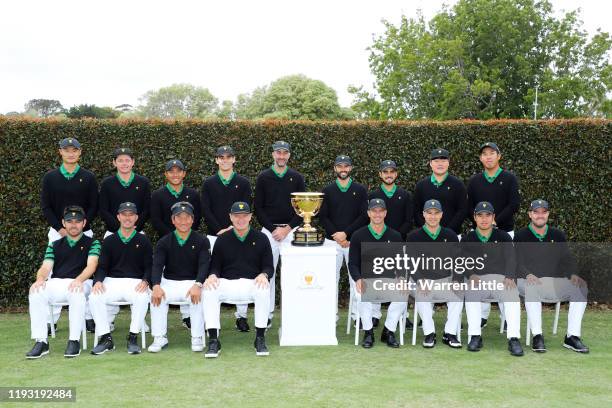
512,310
241,310
342,256
55,291
486,307
276,245
553,290
236,290
394,313
176,291
119,290
425,308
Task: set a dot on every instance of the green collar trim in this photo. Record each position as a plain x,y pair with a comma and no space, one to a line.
126,184
280,175
388,193
172,191
376,235
481,237
180,240
228,180
433,236
67,175
344,189
539,236
437,183
124,239
71,242
241,238
491,179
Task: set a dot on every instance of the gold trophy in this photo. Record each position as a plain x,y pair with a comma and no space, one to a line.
307,205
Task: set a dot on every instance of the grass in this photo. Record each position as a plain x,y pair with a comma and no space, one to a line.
336,376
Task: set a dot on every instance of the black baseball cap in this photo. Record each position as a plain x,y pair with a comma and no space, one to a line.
69,142
74,212
484,207
123,150
539,203
174,163
281,145
439,154
240,207
223,150
435,204
343,159
377,203
387,164
491,145
182,207
127,206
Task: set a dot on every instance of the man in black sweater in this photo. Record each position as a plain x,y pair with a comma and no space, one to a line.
180,264
431,232
219,192
123,274
240,271
162,201
73,258
498,187
344,210
444,187
548,272
125,186
273,207
494,281
375,231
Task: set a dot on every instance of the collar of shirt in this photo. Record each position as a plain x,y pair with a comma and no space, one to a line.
65,173
492,178
344,189
433,236
280,175
481,237
241,238
71,242
538,236
388,193
228,180
180,240
375,234
125,240
175,193
435,181
126,184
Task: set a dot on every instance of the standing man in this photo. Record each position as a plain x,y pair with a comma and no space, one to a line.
549,274
219,192
273,207
344,210
164,198
123,274
432,231
73,259
499,270
498,187
180,264
125,186
444,187
375,231
240,270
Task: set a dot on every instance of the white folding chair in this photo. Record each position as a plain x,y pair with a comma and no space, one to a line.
62,304
142,327
555,323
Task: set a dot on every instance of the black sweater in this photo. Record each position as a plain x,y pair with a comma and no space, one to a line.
112,193
181,262
57,193
125,260
500,259
547,260
419,236
363,234
70,261
161,202
273,198
235,259
452,194
399,209
503,193
344,211
218,198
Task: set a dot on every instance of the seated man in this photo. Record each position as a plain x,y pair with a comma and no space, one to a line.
240,271
73,259
548,273
495,281
123,274
180,264
430,232
375,231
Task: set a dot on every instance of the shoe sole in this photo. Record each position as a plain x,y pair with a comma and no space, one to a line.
262,353
538,350
72,355
517,355
393,345
210,355
134,352
583,351
452,345
429,345
157,351
44,353
198,350
105,350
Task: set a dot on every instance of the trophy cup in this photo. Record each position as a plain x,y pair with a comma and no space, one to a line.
307,205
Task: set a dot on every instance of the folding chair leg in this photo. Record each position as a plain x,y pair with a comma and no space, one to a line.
350,309
556,323
415,324
402,325
527,333
357,327
143,334
52,321
459,326
84,335
502,319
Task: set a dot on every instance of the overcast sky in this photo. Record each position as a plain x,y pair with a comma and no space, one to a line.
111,52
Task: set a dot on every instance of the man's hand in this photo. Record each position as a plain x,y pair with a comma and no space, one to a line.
63,232
422,288
345,244
224,230
339,236
75,286
578,281
98,288
157,295
195,293
212,282
280,233
142,286
39,284
532,280
360,286
509,283
261,281
475,279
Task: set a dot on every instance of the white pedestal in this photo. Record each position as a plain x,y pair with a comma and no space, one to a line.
308,300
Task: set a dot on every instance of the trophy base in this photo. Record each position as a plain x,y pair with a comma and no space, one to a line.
310,238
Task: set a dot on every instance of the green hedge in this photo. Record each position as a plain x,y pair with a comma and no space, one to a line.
566,162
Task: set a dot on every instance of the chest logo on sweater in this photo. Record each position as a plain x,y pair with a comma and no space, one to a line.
501,182
80,180
448,188
399,198
187,197
193,247
82,248
236,186
137,245
137,187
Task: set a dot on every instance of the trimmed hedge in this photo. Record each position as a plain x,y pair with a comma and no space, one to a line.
565,161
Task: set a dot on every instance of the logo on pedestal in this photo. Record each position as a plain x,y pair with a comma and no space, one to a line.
308,280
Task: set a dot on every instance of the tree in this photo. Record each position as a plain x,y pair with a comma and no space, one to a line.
178,101
92,111
43,107
226,111
292,97
483,59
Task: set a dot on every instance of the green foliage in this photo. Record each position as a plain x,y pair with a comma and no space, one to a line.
178,101
44,107
92,111
565,162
